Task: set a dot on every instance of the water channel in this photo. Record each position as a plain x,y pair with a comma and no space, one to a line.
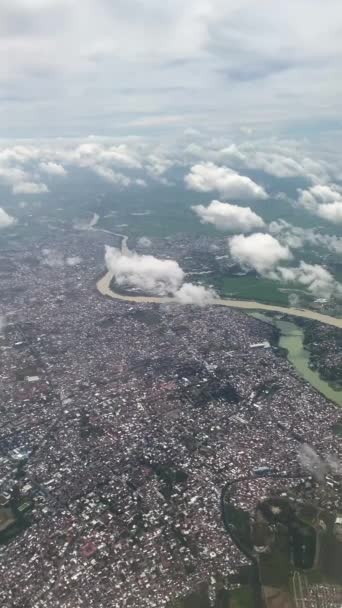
291,335
291,339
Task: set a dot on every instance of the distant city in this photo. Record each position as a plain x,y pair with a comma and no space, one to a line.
159,445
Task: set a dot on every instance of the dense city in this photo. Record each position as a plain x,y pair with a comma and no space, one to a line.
120,425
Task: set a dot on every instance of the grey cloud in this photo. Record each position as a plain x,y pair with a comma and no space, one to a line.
120,46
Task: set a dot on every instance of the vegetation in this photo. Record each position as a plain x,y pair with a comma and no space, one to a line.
242,597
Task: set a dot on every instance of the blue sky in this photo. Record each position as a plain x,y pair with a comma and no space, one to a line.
125,67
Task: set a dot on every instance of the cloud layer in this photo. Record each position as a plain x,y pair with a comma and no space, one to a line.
249,63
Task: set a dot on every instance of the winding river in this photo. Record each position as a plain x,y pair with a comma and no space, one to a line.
291,335
103,286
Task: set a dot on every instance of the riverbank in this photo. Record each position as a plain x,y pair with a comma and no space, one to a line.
103,286
291,340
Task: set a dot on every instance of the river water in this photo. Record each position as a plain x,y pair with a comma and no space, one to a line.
292,339
291,336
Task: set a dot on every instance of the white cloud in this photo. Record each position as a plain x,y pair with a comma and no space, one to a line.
6,220
111,176
91,154
144,272
314,277
206,177
259,251
318,195
12,175
30,188
19,180
296,237
276,158
331,212
52,169
150,274
198,295
324,201
226,216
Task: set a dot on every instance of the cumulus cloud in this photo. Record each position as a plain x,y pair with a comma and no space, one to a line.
30,188
278,159
259,251
318,195
20,181
324,201
226,216
296,237
331,212
19,165
145,272
91,154
53,169
205,177
198,295
116,177
314,277
111,176
12,175
6,220
150,274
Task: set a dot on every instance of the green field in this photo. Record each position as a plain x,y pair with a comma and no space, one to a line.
242,598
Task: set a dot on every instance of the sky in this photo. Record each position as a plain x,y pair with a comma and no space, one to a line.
227,97
146,67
